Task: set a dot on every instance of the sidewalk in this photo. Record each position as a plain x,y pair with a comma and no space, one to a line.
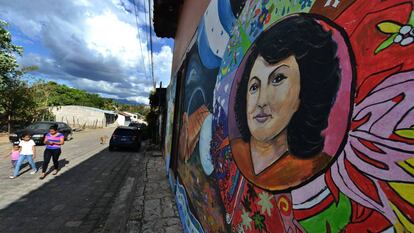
151,206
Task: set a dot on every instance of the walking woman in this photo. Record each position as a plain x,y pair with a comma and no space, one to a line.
53,141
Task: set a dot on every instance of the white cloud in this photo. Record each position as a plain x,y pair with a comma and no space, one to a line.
139,99
109,36
82,2
162,65
91,44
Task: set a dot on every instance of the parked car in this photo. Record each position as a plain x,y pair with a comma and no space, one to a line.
142,129
139,126
125,137
38,130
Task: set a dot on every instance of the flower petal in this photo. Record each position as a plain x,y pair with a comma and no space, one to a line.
405,29
398,38
406,41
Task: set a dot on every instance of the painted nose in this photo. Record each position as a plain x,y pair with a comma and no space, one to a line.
262,100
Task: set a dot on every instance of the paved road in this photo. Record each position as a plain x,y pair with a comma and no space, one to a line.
78,199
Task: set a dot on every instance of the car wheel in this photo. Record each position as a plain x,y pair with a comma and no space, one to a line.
69,137
111,148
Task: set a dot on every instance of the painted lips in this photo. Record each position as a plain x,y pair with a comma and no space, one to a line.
261,118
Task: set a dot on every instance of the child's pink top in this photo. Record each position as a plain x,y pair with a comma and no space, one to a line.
15,155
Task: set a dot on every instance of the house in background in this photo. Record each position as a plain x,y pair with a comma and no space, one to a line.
134,117
123,119
84,117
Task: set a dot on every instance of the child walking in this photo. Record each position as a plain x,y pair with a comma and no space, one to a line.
27,152
14,155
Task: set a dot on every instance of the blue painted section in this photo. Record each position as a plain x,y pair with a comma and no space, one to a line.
208,58
190,223
226,15
235,180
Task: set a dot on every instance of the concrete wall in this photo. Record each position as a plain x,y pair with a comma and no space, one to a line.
295,116
78,116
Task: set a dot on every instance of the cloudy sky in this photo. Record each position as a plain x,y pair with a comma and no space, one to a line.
89,44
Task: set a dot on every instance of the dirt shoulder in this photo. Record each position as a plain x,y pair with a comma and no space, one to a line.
4,138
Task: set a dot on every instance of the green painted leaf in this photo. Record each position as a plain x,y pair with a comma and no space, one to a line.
259,223
411,20
405,133
388,42
389,27
336,215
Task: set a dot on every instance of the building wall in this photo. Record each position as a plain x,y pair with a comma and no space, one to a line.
123,120
297,116
78,116
189,19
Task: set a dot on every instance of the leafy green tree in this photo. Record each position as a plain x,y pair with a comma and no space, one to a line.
16,101
8,63
54,94
14,95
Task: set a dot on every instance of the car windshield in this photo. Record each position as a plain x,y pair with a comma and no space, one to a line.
39,126
124,132
139,125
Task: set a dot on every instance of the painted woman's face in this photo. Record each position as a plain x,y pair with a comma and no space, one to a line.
272,97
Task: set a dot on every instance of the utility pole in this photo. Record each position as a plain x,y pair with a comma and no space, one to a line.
9,123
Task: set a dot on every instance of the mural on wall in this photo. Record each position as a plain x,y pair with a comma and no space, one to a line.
194,160
299,117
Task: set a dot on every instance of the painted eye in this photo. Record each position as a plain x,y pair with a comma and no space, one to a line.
278,79
253,88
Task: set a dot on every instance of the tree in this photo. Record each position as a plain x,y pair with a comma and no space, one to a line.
54,94
16,102
8,63
8,70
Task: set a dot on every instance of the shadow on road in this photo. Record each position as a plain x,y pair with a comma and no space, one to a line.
124,149
26,167
77,200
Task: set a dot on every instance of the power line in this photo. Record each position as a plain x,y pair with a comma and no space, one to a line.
150,32
139,40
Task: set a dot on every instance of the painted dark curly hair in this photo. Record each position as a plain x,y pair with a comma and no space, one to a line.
316,54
